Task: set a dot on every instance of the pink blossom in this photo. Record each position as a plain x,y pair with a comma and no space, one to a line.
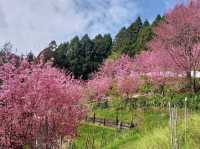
177,38
37,101
98,87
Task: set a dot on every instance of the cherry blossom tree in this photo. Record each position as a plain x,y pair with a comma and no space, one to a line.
98,87
111,68
126,78
107,69
127,84
156,67
177,37
38,105
119,72
122,72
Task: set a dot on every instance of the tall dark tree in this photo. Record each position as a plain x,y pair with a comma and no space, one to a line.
125,41
30,57
6,53
82,57
60,55
134,30
134,39
135,27
157,20
145,35
102,46
87,49
74,56
121,41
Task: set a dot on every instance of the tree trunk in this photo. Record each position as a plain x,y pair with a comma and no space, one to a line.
94,117
189,79
194,81
117,118
162,88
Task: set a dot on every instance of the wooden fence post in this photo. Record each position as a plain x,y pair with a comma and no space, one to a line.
186,115
94,117
117,119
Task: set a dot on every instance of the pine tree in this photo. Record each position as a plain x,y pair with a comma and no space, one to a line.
144,36
82,57
75,57
125,40
60,55
157,20
30,57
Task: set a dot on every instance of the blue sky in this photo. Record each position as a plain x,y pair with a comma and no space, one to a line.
31,24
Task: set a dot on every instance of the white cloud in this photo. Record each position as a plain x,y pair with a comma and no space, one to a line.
32,24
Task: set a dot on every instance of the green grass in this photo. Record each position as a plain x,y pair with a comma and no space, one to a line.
153,134
102,135
111,113
152,131
94,136
159,138
123,138
156,139
151,118
151,121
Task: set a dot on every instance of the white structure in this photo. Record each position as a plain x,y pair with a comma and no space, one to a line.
196,74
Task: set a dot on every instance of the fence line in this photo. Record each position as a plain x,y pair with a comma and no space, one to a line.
110,123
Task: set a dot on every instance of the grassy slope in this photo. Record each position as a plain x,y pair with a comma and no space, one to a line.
93,136
151,133
154,134
159,137
151,121
102,135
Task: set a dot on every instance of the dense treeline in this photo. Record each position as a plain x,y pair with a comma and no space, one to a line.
133,39
83,56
